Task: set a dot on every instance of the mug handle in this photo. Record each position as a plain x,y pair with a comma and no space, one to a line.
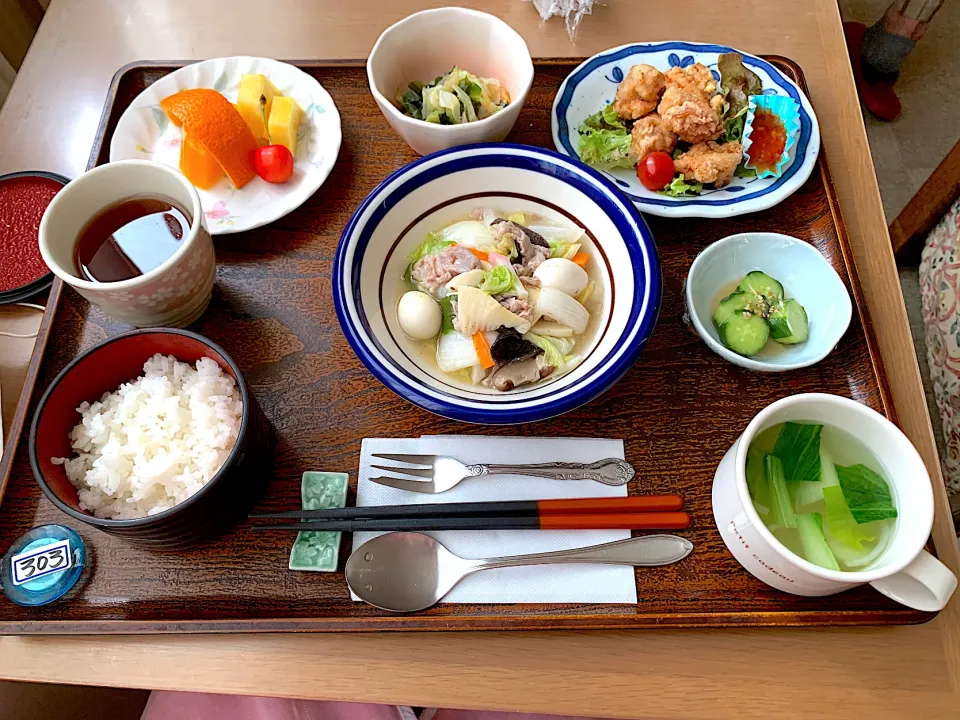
925,584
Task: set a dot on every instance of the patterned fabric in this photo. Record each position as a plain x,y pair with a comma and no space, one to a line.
940,292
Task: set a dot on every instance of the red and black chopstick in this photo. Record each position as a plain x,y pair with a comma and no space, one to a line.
640,512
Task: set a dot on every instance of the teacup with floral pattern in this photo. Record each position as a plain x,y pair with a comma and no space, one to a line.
174,294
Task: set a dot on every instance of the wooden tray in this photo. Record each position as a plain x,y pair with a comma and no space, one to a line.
678,410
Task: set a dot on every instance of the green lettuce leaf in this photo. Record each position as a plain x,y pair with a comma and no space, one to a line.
867,493
680,187
736,81
798,447
733,124
744,172
605,149
498,280
606,119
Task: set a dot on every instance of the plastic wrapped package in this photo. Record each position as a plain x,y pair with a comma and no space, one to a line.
571,10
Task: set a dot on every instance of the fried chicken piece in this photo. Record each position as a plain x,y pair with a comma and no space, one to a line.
710,163
639,92
694,78
690,115
651,134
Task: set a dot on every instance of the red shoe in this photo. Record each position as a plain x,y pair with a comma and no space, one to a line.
878,95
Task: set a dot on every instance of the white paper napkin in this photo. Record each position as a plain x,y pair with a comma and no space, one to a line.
532,584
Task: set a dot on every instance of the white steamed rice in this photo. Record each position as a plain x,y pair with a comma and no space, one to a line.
155,441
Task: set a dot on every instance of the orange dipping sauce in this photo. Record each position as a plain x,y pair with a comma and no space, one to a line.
767,140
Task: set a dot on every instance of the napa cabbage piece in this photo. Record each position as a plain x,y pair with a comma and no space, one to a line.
499,280
478,312
469,233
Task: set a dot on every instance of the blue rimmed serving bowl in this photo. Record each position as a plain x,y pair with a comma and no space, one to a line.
445,187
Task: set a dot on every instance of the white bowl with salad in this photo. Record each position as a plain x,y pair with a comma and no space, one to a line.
450,76
674,124
767,301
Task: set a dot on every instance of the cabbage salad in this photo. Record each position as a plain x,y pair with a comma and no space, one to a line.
453,99
505,298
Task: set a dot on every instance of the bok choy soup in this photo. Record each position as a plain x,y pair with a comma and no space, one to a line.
822,494
499,300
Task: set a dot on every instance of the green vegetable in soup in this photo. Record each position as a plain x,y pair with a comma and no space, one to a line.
498,280
446,311
798,447
551,353
866,493
841,522
813,541
681,187
433,243
757,484
782,509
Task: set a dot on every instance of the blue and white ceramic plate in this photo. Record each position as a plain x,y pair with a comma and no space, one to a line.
592,86
446,186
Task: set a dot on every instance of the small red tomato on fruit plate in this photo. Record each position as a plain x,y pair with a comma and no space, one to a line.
655,171
274,163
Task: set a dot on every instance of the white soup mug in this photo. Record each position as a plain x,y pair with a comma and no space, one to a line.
904,572
172,295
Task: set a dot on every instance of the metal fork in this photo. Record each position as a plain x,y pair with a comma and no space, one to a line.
439,473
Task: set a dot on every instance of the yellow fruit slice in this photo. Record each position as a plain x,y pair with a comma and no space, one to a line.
251,88
283,122
215,124
200,167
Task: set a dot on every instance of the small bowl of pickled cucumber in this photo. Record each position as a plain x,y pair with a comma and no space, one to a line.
767,301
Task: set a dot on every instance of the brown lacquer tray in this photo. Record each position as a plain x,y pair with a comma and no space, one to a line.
678,410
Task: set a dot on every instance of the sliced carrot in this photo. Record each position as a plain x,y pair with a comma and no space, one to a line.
482,347
581,259
480,254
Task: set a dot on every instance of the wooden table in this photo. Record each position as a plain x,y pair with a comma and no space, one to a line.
49,122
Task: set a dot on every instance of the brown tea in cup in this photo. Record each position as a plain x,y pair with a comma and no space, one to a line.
130,238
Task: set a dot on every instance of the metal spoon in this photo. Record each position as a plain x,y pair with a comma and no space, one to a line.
406,572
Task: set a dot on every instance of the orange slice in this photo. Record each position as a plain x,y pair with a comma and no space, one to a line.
200,167
216,125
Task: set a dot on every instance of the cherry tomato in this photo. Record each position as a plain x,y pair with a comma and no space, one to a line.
655,171
274,163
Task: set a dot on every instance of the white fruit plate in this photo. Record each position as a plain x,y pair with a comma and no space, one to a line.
144,132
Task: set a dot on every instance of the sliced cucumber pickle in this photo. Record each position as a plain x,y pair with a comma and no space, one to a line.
788,323
745,333
732,304
763,285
